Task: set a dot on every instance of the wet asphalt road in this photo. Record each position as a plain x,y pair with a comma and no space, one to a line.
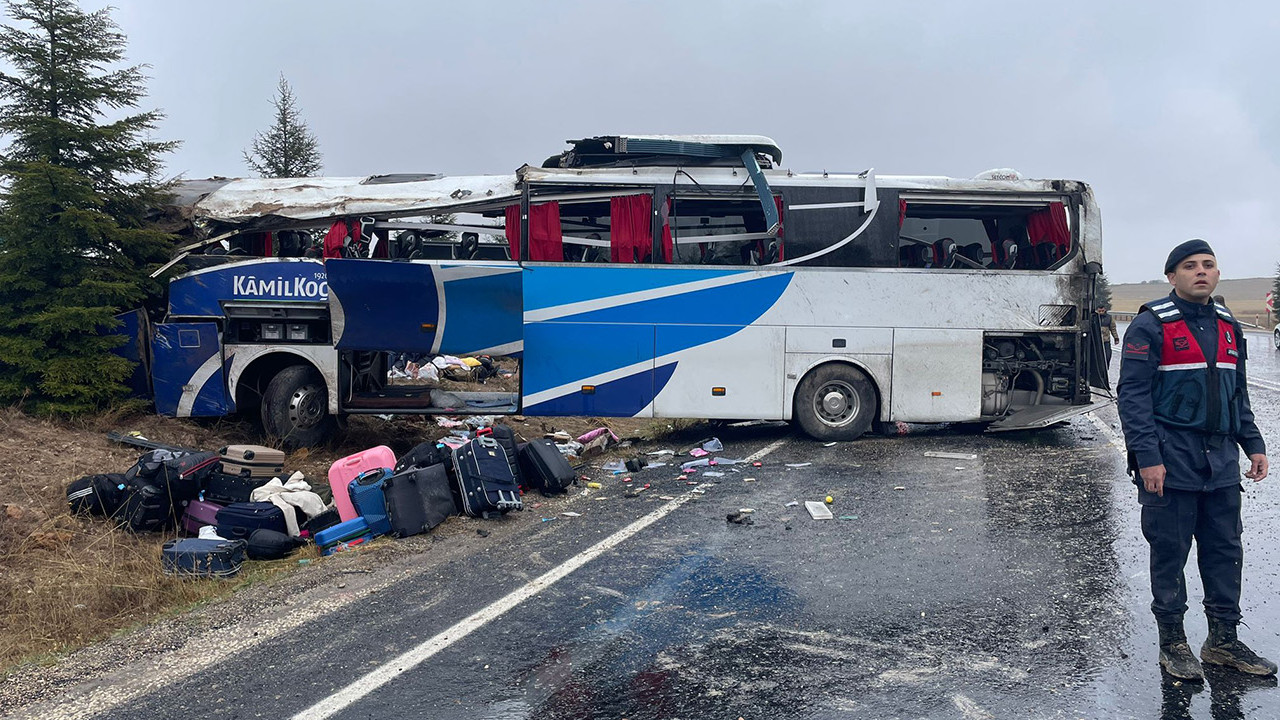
1012,585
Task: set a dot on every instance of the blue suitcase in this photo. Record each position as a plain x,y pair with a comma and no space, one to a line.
369,499
193,557
343,536
238,520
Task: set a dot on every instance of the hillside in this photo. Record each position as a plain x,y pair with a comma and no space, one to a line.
1244,296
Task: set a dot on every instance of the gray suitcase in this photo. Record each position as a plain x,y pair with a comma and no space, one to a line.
255,461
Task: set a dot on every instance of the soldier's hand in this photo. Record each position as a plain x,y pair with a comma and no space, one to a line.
1153,479
1258,467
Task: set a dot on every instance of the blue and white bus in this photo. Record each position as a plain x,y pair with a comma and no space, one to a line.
640,276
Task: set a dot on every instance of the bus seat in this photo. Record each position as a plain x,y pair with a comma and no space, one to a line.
973,251
944,253
1046,254
1009,251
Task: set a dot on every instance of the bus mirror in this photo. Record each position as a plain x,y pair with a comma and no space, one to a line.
1093,268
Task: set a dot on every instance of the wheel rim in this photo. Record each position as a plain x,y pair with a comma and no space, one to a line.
307,407
836,403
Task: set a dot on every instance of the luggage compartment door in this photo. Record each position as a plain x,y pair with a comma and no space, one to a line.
188,370
133,326
602,369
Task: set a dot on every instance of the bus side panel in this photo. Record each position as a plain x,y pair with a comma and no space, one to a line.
615,360
188,370
937,375
746,362
425,307
133,326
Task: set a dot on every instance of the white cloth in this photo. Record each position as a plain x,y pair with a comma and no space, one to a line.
294,492
209,532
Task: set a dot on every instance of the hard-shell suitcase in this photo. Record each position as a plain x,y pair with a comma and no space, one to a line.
223,488
193,557
198,514
366,494
342,472
506,437
101,495
418,500
343,536
258,461
237,520
483,477
545,467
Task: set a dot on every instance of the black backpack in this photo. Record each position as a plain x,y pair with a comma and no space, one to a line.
101,495
265,544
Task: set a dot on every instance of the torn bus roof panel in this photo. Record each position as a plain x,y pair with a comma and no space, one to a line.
255,202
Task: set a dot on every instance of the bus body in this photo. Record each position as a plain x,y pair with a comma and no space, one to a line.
654,282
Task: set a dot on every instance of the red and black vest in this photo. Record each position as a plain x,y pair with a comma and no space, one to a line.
1190,391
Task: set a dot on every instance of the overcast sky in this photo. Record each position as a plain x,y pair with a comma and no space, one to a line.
1168,110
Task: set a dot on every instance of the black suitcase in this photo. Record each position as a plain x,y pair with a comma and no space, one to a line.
483,478
506,437
101,495
238,520
148,508
194,557
423,455
181,474
326,519
545,467
418,499
222,488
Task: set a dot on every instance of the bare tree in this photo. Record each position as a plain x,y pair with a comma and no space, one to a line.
287,148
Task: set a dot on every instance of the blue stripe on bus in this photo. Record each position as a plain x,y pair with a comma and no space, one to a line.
737,304
546,287
624,397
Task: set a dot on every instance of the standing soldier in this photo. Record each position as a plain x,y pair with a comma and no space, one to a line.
1185,410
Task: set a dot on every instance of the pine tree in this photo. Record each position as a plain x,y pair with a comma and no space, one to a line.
287,149
1102,291
74,245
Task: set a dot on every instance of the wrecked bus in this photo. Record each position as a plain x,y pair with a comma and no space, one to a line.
639,276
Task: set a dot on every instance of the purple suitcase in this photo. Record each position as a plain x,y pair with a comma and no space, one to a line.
198,514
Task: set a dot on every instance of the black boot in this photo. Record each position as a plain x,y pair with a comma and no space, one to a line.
1175,655
1222,647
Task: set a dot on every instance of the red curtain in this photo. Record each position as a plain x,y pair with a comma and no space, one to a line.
513,230
545,240
1050,226
902,212
630,237
667,244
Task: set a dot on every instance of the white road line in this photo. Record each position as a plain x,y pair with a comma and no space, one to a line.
1116,438
1265,385
410,659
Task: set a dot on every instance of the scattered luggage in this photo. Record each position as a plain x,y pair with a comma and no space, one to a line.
238,520
147,507
264,544
102,495
545,467
179,474
326,519
342,472
254,461
423,455
343,536
223,488
369,499
196,557
506,437
418,499
484,480
199,513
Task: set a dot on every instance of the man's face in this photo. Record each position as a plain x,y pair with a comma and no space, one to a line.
1195,278
1102,310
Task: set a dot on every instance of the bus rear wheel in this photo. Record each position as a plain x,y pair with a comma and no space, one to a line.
835,402
295,408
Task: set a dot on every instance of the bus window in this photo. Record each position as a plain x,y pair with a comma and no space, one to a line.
1023,236
721,231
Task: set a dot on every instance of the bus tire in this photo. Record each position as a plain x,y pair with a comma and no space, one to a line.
835,402
295,407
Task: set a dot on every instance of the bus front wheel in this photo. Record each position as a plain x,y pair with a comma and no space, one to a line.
295,407
835,402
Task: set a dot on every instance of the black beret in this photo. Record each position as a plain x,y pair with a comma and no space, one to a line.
1184,251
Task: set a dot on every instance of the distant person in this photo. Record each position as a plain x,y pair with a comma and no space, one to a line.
1184,407
1108,328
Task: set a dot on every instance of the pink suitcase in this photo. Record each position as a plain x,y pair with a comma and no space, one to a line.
345,470
198,514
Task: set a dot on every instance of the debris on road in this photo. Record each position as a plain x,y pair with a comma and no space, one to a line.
740,518
793,503
570,513
817,510
950,455
899,487
799,465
